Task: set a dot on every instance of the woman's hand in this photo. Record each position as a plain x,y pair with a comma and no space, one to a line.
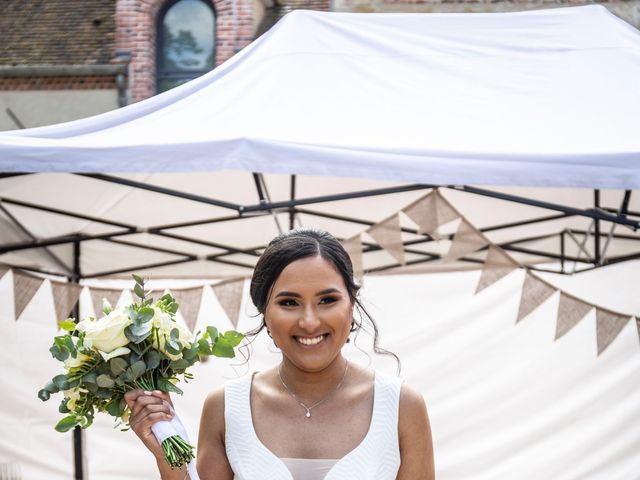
148,408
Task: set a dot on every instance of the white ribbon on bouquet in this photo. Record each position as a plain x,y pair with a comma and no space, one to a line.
165,429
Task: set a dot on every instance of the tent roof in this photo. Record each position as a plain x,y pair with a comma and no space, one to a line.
546,97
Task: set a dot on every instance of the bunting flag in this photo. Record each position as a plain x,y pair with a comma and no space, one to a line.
534,293
353,246
110,295
608,326
24,288
65,297
229,294
570,312
466,240
496,265
188,301
431,211
388,235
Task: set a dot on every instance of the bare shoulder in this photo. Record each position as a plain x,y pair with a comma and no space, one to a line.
411,401
414,431
213,410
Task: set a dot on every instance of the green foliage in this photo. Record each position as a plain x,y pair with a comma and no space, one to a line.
67,325
159,357
67,423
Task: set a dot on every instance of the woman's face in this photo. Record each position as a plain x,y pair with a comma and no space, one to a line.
309,313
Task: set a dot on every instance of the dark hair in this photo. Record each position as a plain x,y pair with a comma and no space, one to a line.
303,243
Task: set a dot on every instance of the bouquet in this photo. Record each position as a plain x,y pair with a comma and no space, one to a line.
140,346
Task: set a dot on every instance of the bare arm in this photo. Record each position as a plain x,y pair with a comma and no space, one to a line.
416,446
212,456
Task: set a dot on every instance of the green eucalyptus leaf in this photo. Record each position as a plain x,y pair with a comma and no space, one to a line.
67,423
118,365
152,359
44,395
145,314
105,381
138,279
139,291
62,408
137,369
190,353
92,387
89,378
174,334
180,364
51,387
104,393
61,381
59,353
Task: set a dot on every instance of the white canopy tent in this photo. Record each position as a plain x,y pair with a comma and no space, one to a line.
546,98
321,122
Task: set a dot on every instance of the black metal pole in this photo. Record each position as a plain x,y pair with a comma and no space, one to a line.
292,210
562,247
596,237
78,454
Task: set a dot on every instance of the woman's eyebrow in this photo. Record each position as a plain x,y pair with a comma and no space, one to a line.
297,295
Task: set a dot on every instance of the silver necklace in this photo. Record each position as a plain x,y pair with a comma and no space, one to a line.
308,409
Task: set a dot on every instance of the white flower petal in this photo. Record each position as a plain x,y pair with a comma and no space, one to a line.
115,353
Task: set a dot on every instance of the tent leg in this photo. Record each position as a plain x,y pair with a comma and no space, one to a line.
596,237
78,434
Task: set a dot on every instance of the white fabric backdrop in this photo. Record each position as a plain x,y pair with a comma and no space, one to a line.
505,401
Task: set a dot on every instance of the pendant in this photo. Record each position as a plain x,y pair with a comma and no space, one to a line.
308,414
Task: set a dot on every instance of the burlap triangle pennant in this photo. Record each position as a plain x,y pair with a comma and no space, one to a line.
466,240
229,295
188,301
353,246
496,265
534,293
3,269
388,235
429,212
608,326
65,297
97,294
570,312
24,288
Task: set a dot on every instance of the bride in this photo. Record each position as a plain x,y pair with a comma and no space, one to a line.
314,415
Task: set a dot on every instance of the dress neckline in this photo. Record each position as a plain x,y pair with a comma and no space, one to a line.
352,452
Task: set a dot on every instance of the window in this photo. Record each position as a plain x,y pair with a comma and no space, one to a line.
186,42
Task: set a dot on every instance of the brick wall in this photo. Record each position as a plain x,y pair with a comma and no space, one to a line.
136,33
86,82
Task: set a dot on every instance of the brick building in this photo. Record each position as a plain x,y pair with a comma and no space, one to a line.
67,59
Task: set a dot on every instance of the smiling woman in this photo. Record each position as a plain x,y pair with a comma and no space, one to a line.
314,416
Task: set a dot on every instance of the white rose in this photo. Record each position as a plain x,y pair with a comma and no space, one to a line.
107,334
164,323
